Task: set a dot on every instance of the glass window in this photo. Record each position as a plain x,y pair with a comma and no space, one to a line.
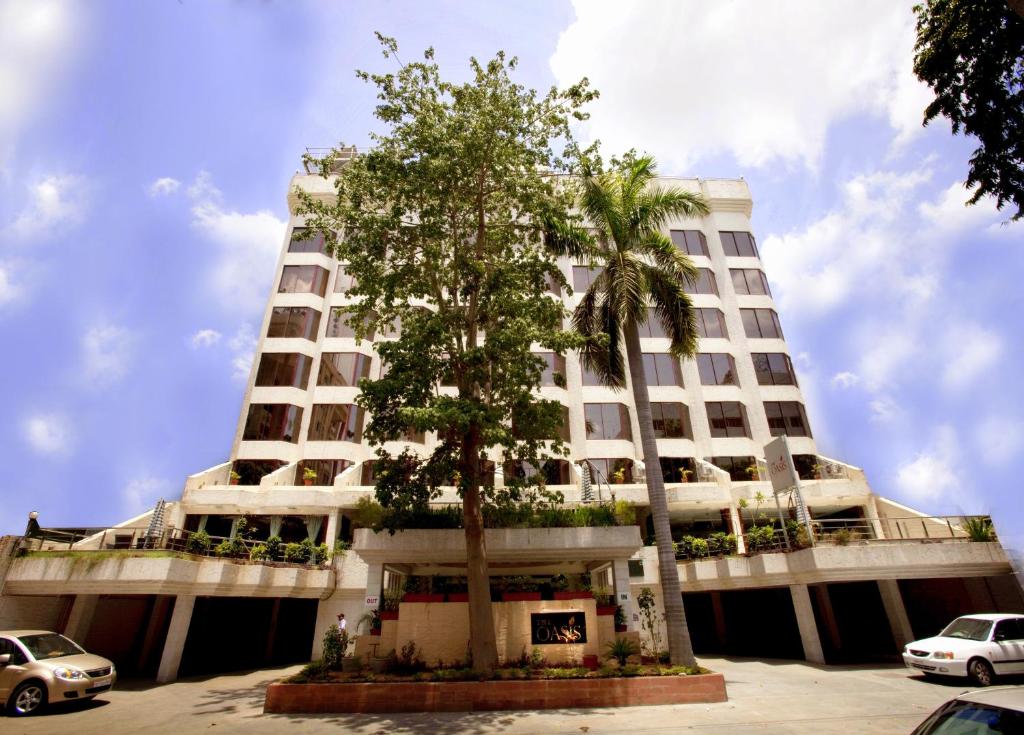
294,321
343,283
739,468
284,369
524,432
607,421
727,419
705,283
661,368
773,368
710,323
339,325
582,277
739,244
652,327
678,469
338,422
961,717
671,421
304,240
45,646
326,470
749,281
303,279
761,323
552,471
273,422
554,373
691,242
717,368
343,368
589,376
786,417
615,470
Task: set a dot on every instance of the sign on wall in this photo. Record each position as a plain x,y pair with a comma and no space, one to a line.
558,627
780,465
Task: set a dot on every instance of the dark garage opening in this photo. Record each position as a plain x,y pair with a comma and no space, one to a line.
757,623
237,633
130,630
862,633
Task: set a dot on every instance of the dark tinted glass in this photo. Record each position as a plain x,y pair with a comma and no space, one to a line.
773,368
343,368
326,470
710,323
589,376
303,279
739,244
612,470
691,242
739,468
336,422
607,421
660,368
705,283
761,323
727,419
652,327
678,469
294,321
671,421
272,422
582,277
251,471
717,368
555,366
305,240
343,283
786,417
749,281
553,471
284,369
339,325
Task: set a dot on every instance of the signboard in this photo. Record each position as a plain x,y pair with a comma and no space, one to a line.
558,627
372,600
780,465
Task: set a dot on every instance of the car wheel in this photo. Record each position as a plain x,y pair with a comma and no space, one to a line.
981,672
27,699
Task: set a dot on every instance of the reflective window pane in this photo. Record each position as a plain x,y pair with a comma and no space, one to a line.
336,422
343,368
304,240
294,321
303,279
272,422
284,369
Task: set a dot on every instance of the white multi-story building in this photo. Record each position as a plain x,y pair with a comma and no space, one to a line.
879,574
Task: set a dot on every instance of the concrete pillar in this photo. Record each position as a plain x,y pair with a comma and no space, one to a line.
806,623
902,633
623,596
80,619
174,646
719,612
333,523
158,613
876,524
374,586
828,615
737,528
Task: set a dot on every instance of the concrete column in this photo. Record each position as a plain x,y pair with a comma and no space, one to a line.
806,623
333,522
158,613
828,615
620,580
902,633
876,524
174,646
80,619
374,585
737,528
719,612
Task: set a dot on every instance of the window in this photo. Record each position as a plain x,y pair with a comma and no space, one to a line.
337,422
671,421
773,368
251,471
553,286
553,471
786,417
717,368
661,368
652,327
761,323
305,240
527,430
582,277
303,279
343,368
554,373
749,281
339,326
589,376
343,283
962,717
326,470
738,244
691,242
607,421
284,369
678,469
737,467
18,657
710,323
273,422
727,419
613,470
705,283
294,321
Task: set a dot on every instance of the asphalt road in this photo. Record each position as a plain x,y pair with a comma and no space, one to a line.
778,697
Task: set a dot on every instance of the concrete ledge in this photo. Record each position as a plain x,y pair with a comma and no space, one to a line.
477,696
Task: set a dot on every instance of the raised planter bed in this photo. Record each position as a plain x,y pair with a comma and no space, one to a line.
421,597
470,696
520,596
573,595
458,597
606,609
388,614
620,628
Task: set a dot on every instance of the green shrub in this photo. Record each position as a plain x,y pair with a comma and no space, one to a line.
198,543
274,548
722,543
232,548
296,553
625,513
258,553
620,650
334,648
760,537
368,513
698,547
979,529
841,537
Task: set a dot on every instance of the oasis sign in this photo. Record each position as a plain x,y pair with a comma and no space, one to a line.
558,627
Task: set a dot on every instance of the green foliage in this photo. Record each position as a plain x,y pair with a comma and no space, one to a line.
721,542
308,473
198,543
314,671
334,644
620,615
340,547
649,619
760,537
620,650
518,584
979,528
274,548
258,553
406,662
231,548
841,537
971,53
625,513
368,513
391,600
296,553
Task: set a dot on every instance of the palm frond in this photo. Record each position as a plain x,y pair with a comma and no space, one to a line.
674,310
563,238
656,205
593,317
668,257
627,286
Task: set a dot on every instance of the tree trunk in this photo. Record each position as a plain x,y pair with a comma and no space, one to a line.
482,641
679,645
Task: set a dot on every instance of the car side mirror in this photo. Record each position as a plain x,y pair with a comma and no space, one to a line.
5,659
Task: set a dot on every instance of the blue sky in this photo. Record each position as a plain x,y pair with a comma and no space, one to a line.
145,150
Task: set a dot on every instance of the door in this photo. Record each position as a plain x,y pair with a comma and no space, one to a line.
10,675
1008,640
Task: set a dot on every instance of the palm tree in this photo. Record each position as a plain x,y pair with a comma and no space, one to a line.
642,269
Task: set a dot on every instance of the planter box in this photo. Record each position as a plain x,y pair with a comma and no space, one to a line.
606,609
470,696
591,662
620,628
458,597
388,614
421,597
520,596
375,631
573,595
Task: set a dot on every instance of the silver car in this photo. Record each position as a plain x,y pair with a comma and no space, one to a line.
39,667
997,711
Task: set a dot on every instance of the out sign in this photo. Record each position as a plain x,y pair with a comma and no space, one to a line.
372,600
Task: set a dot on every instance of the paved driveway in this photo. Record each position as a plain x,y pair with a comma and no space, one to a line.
778,697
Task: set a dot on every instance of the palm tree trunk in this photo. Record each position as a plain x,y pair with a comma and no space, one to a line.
679,645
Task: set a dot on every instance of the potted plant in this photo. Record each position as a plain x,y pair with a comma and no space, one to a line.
605,601
420,589
560,589
308,476
752,472
233,477
389,606
455,589
372,619
620,619
685,475
519,589
618,477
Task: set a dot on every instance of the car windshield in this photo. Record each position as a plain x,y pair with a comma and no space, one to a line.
972,629
49,645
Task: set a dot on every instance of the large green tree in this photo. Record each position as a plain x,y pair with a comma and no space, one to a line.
641,269
971,53
442,223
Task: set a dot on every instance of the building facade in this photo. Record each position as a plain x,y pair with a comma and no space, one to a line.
879,575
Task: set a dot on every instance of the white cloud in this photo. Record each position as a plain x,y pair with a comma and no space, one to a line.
999,440
106,353
763,81
49,434
56,201
142,493
164,186
248,245
845,380
205,338
243,345
884,409
969,350
933,474
8,289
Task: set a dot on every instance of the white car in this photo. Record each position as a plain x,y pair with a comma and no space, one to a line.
978,646
997,711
